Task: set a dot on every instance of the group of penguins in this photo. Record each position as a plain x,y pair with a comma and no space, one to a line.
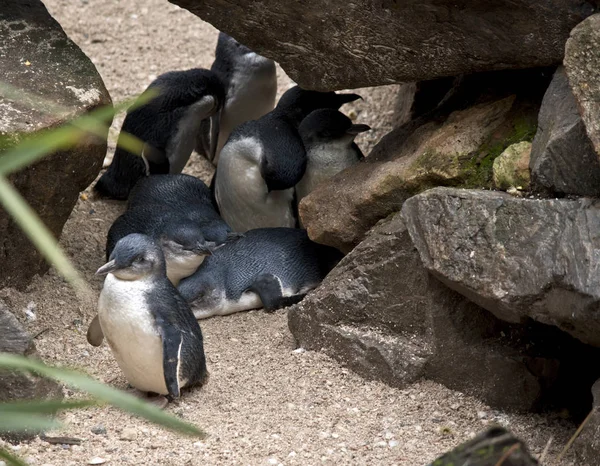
184,251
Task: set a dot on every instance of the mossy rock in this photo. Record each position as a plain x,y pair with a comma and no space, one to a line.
511,168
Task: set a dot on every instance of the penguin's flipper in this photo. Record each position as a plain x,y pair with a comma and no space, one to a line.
215,124
95,336
172,340
189,124
269,289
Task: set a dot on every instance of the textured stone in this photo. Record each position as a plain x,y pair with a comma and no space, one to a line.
586,448
511,168
19,386
519,258
340,45
582,63
453,144
496,446
381,314
563,159
39,59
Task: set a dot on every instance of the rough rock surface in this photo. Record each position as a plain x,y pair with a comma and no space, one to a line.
586,448
582,62
519,258
381,314
16,386
511,168
496,446
453,144
341,45
39,59
563,159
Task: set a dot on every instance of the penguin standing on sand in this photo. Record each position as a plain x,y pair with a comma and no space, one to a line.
263,160
177,211
149,327
168,125
268,267
250,82
328,137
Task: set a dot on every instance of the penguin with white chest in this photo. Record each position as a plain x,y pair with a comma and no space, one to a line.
149,327
268,267
328,137
178,212
263,160
168,125
250,82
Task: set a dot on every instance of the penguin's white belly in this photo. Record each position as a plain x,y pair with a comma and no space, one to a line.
223,307
242,194
324,162
179,267
131,333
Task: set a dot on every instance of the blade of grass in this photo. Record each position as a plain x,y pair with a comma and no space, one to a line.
43,406
39,234
38,145
10,459
19,422
100,391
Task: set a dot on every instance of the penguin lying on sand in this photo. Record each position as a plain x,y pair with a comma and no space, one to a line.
264,159
251,86
328,137
149,327
268,267
168,125
178,212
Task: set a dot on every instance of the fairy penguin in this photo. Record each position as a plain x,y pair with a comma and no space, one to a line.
268,267
148,325
328,137
263,160
168,126
177,211
250,82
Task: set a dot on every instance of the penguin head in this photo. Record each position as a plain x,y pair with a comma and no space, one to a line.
296,103
228,46
185,238
135,257
327,125
178,89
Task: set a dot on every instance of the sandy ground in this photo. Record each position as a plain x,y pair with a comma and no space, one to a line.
266,403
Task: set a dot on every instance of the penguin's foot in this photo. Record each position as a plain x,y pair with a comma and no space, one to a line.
155,399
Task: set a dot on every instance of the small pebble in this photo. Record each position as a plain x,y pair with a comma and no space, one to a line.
199,444
273,461
129,433
99,430
381,444
481,414
393,443
97,460
455,406
291,455
299,350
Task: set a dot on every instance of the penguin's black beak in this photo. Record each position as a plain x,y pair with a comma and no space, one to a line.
107,268
357,129
205,248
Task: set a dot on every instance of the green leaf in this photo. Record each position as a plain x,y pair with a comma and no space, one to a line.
38,233
18,422
101,392
10,459
43,406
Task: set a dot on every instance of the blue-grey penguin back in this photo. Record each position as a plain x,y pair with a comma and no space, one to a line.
286,254
156,123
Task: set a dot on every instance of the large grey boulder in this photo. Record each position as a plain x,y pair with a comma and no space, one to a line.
381,314
453,144
519,258
582,63
338,45
39,59
563,159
